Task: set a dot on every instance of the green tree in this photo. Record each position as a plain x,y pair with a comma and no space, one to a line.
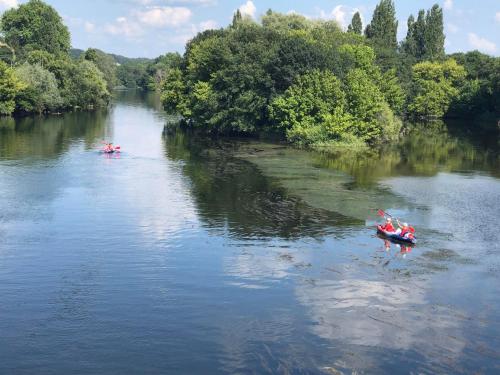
10,86
312,110
35,26
435,86
372,118
105,63
41,93
159,68
363,57
81,83
11,53
425,36
237,18
174,94
43,58
382,30
434,34
356,25
286,22
133,74
480,95
390,86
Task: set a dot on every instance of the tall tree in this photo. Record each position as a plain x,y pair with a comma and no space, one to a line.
237,17
35,26
383,28
434,35
356,25
425,37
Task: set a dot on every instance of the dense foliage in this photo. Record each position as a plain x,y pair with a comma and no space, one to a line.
425,37
146,74
306,79
42,76
10,86
435,86
318,85
35,26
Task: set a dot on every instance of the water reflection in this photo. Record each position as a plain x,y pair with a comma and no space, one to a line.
239,257
425,150
139,98
49,136
386,315
233,194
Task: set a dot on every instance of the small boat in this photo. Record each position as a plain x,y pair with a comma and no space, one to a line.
111,150
395,237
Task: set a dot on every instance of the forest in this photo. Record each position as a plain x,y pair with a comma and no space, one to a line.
40,73
318,85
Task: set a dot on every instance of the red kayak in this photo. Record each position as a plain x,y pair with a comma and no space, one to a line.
395,237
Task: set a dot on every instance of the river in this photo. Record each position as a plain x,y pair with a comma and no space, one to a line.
187,256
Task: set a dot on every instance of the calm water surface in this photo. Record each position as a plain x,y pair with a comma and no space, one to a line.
181,256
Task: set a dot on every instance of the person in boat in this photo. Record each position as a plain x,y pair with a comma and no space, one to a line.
404,230
109,147
388,227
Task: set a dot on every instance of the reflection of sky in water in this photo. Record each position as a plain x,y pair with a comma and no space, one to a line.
413,305
385,315
465,207
259,266
158,197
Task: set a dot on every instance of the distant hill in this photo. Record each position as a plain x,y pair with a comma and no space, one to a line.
76,53
123,60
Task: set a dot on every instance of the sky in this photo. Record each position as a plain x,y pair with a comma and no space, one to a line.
149,28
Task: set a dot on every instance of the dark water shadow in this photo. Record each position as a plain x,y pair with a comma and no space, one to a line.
234,194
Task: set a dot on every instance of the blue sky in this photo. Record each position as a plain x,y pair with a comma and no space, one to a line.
152,27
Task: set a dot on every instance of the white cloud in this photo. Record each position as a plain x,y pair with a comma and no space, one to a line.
165,16
497,17
448,4
184,34
7,4
248,9
340,13
125,27
482,44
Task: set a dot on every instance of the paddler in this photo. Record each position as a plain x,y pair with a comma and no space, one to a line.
388,227
405,230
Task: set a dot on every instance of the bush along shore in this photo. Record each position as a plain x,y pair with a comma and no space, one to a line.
322,87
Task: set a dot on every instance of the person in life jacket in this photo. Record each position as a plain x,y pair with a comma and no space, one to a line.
388,227
405,230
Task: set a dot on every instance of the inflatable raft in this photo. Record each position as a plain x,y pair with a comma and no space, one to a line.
395,237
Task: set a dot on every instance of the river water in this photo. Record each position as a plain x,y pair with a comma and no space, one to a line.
187,256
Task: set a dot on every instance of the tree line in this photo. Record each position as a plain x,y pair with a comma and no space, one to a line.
40,73
319,85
